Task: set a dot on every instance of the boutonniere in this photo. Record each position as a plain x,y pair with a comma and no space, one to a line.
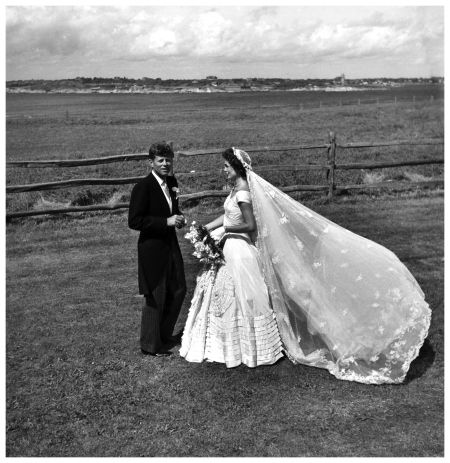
176,190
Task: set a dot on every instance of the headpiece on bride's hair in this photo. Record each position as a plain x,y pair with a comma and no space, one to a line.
243,157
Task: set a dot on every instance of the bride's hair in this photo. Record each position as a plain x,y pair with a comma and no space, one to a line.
234,162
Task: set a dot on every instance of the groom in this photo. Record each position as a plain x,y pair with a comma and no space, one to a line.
154,212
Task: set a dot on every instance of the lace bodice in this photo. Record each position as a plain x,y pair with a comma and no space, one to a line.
233,215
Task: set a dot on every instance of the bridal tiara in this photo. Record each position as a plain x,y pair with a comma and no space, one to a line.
243,157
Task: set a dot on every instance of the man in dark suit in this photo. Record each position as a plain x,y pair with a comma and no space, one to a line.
155,213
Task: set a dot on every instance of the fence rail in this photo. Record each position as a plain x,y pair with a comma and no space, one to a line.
383,165
262,149
289,168
143,156
331,166
218,194
78,162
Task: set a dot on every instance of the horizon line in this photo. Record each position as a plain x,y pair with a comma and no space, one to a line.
224,78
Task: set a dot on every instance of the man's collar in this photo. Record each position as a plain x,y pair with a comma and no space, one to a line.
160,180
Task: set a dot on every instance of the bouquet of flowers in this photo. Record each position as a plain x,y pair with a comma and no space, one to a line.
206,248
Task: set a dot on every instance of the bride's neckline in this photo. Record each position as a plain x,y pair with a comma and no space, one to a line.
234,191
239,183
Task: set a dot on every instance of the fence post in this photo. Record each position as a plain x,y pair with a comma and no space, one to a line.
331,163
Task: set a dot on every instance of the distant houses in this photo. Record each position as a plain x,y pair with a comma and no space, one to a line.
210,84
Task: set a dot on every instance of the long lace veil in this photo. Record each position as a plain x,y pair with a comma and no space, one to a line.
342,302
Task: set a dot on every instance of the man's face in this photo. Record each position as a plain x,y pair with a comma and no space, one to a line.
162,165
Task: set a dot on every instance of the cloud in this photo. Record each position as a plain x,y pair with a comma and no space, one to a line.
283,35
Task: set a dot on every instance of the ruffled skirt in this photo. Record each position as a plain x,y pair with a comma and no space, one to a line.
230,319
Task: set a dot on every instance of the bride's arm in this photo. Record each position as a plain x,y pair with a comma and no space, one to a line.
249,224
216,223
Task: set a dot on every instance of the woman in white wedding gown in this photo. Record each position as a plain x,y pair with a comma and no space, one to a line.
230,320
325,296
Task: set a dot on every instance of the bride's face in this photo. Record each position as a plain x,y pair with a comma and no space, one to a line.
230,173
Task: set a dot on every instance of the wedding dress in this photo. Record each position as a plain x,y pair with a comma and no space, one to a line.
340,301
230,320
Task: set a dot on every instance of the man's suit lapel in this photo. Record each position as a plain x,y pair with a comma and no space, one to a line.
162,197
173,194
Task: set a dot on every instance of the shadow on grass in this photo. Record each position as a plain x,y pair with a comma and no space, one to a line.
421,364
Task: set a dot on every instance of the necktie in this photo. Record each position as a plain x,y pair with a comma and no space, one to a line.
166,191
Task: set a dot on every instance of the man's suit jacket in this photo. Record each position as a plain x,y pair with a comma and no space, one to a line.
148,213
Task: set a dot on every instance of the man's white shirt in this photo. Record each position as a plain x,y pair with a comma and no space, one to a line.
164,188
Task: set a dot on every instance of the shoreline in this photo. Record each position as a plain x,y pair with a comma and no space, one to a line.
187,91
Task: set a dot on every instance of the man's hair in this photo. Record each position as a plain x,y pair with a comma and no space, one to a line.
160,149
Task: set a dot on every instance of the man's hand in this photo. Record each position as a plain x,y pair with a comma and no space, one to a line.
182,223
176,221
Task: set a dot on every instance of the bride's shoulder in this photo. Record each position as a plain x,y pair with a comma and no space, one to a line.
243,187
243,194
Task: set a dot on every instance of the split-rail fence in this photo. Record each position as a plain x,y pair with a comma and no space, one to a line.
330,166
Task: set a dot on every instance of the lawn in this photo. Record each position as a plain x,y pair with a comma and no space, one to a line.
86,126
77,385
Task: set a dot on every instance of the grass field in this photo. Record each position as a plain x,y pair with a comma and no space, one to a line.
77,384
80,126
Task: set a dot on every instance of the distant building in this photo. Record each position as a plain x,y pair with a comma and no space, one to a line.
340,80
211,78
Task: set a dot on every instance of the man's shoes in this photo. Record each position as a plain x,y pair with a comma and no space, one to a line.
163,353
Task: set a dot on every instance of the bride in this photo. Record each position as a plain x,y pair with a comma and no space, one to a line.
296,283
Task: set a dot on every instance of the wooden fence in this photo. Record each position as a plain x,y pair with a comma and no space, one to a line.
330,188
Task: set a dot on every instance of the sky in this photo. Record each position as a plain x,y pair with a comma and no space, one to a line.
192,42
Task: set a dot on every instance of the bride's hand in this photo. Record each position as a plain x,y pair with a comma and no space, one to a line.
217,234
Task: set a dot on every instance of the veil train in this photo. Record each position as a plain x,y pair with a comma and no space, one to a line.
341,301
